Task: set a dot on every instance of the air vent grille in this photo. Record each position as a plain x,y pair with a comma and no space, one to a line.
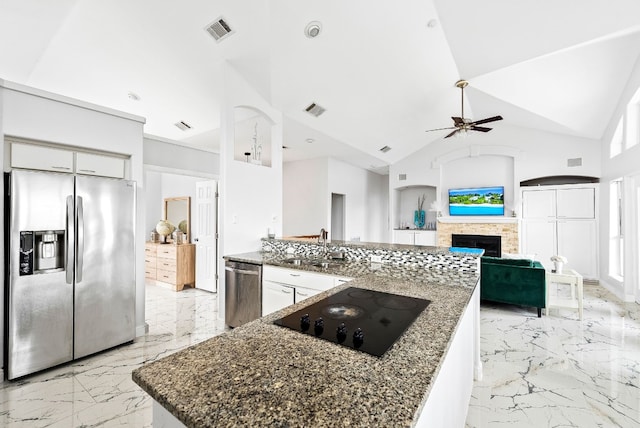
314,109
184,126
574,162
219,29
402,177
385,149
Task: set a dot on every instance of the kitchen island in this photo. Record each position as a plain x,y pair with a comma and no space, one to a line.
262,374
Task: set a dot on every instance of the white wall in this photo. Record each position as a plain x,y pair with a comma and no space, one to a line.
304,196
470,172
626,166
162,153
250,195
307,189
161,185
507,153
39,115
366,201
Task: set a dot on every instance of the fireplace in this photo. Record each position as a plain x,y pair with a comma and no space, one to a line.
491,244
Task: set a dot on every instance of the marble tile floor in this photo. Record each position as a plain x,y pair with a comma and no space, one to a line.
558,371
98,390
554,371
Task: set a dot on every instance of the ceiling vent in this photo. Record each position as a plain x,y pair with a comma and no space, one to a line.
184,126
385,149
219,29
402,177
314,109
574,162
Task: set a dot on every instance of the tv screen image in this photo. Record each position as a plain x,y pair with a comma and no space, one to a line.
477,201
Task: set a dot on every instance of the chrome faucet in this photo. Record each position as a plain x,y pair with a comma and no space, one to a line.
322,239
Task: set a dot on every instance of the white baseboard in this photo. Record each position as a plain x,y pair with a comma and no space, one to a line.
618,291
141,330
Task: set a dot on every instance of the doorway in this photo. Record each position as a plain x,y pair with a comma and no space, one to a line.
635,231
337,216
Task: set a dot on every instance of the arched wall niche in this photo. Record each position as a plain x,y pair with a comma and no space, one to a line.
252,136
479,166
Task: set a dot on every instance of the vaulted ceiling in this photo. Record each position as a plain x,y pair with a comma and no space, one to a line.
384,71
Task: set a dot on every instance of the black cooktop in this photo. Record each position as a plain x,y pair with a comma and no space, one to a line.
367,320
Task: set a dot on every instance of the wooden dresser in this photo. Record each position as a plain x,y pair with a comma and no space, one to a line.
171,264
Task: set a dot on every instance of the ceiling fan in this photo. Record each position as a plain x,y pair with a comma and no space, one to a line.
461,124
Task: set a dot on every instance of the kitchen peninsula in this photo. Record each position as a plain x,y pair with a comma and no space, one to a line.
262,374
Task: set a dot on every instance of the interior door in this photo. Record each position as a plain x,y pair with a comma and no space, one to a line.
539,238
577,242
204,235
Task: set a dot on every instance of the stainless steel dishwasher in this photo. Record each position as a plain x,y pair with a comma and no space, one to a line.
243,292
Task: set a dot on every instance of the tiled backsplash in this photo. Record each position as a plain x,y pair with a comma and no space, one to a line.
396,255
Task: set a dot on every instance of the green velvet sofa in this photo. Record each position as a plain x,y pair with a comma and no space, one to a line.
514,281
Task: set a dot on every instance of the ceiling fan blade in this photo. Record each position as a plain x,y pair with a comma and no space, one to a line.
457,120
487,120
451,134
480,128
440,129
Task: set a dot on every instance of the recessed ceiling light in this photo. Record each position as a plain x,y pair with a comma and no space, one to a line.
433,23
133,96
385,149
310,140
313,29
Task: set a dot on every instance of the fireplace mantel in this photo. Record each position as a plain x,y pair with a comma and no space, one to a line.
478,219
508,228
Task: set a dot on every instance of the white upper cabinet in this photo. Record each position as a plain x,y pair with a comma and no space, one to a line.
42,158
538,203
104,166
576,203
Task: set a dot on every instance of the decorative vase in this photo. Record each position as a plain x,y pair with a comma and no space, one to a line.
419,218
559,266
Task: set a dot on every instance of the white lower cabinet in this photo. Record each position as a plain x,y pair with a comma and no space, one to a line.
574,239
282,287
304,293
414,237
276,296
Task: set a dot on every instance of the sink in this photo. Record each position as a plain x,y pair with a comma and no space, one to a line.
320,263
324,263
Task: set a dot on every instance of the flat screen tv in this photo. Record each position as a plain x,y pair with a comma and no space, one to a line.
477,201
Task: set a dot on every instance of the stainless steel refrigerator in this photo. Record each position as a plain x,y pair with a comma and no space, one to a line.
70,278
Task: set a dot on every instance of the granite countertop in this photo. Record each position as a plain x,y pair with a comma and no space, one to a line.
261,374
357,269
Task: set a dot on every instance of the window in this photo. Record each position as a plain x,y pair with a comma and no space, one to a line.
627,133
616,230
632,122
616,141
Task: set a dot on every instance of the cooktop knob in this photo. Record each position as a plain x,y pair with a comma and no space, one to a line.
305,322
341,332
318,326
358,337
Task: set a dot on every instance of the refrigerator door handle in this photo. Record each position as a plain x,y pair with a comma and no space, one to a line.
80,242
69,262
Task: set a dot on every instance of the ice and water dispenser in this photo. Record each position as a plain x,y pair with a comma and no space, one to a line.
41,251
